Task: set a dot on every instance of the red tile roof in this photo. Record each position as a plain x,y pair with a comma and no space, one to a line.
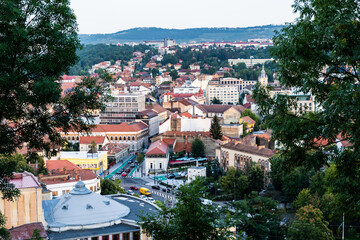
158,148
215,108
25,232
248,119
182,146
89,139
57,164
113,148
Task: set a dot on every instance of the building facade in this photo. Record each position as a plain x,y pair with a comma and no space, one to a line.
27,208
96,162
226,93
238,155
123,108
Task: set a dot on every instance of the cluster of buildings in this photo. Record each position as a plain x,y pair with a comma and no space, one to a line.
159,114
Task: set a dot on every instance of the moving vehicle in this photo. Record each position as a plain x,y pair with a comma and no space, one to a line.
130,192
150,199
165,189
134,188
145,191
124,174
155,187
127,170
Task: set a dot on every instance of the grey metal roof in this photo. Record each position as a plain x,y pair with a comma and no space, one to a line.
76,234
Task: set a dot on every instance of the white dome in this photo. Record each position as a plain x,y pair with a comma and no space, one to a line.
83,207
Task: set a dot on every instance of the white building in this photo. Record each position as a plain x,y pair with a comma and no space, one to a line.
227,93
194,172
249,62
157,156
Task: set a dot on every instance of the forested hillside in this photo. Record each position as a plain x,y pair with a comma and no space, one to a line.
182,35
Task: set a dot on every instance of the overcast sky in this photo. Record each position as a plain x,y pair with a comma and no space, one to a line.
109,16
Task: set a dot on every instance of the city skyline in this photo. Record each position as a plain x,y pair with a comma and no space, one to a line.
113,16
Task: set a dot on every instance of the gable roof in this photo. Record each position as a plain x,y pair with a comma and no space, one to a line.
248,119
156,107
239,108
158,148
215,108
24,180
264,152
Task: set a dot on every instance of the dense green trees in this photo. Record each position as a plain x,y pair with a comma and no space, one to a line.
188,219
38,43
319,54
198,148
109,187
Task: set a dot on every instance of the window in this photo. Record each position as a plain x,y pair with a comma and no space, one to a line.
126,236
111,138
115,138
151,165
95,238
63,192
133,138
128,138
160,165
69,138
106,237
73,138
77,138
55,193
120,138
116,237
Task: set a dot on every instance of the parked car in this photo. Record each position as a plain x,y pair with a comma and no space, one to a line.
170,175
155,187
134,188
132,165
130,192
165,189
150,199
127,170
143,197
124,174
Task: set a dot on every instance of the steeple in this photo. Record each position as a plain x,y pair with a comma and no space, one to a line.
263,78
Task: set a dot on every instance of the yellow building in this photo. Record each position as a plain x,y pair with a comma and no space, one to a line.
250,123
96,162
28,207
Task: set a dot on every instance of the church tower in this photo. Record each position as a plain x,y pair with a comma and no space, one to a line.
263,78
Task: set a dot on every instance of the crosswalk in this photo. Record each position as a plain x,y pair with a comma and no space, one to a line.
164,195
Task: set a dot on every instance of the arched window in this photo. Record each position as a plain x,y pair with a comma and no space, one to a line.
115,138
77,138
128,138
111,138
73,138
69,138
133,138
120,138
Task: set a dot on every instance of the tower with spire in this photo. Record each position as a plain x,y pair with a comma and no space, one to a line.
263,78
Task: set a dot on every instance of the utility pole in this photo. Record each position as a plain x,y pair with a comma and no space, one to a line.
343,227
234,191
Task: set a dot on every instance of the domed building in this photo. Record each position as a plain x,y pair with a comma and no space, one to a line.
83,214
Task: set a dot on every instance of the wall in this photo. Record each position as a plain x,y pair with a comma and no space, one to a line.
231,116
63,188
27,208
156,164
195,124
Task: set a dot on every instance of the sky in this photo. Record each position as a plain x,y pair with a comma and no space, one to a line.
109,16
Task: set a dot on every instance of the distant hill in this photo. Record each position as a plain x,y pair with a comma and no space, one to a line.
182,35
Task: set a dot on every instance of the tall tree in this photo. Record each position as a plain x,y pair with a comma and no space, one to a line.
198,148
235,183
309,224
38,43
215,128
319,54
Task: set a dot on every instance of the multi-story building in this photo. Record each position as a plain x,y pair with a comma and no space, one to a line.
152,119
135,134
27,208
237,154
225,91
96,162
123,108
